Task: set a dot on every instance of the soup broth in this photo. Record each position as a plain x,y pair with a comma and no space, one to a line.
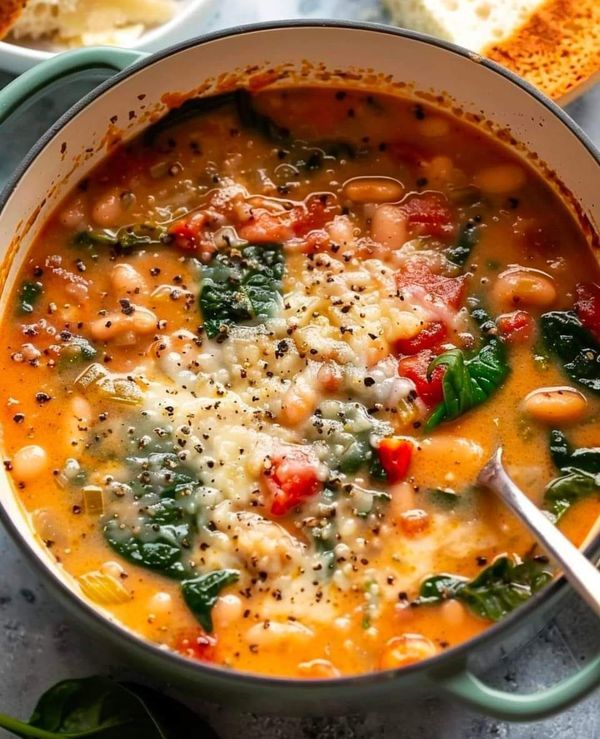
255,361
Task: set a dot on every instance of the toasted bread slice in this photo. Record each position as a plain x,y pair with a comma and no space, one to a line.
86,22
554,44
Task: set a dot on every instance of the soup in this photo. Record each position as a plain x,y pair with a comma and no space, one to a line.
256,359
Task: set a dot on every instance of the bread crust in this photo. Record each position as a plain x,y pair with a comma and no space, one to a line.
557,49
10,10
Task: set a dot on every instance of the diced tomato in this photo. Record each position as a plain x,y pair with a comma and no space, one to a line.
311,216
415,368
402,151
292,478
516,326
267,228
395,454
428,338
449,290
188,231
587,307
195,644
429,214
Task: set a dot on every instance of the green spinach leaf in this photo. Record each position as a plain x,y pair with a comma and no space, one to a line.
163,495
125,239
579,478
496,591
104,709
77,350
239,286
28,295
574,345
201,593
468,238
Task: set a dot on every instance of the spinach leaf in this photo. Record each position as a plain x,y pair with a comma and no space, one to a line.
467,382
497,590
125,239
468,238
104,709
580,474
239,286
28,295
201,593
443,498
77,350
574,345
163,495
563,491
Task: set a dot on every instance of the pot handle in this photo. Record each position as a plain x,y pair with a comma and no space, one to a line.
470,689
17,92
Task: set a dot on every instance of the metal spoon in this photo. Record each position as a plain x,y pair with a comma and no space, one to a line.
578,570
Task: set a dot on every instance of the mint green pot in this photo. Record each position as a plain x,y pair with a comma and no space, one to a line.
75,144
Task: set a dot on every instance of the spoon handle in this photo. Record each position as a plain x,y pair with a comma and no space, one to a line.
580,572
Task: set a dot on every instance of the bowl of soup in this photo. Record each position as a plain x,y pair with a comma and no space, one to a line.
272,298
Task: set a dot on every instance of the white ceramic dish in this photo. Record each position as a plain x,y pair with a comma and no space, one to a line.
191,20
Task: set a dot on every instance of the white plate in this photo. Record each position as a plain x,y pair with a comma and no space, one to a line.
191,20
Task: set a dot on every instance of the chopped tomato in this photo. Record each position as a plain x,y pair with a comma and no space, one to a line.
195,644
404,152
516,326
449,290
311,216
267,228
429,215
292,478
428,338
587,307
188,231
415,368
395,454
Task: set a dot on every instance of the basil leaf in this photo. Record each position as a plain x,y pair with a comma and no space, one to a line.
569,488
496,591
241,286
201,594
574,345
467,382
104,709
28,295
163,497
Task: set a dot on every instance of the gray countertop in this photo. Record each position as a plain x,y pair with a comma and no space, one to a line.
39,646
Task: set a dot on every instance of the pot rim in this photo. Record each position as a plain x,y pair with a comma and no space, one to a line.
118,632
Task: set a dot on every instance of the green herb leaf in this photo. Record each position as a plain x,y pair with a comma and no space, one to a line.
574,345
444,498
28,295
201,594
76,351
496,591
564,456
241,286
136,236
163,495
104,709
468,238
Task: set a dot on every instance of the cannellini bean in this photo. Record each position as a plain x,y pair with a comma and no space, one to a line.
126,279
501,179
555,405
141,321
298,403
73,215
29,463
275,633
318,669
160,607
389,226
439,169
107,210
529,287
112,568
373,190
406,650
227,610
453,612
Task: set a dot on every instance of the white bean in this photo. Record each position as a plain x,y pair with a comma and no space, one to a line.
126,280
141,321
274,633
227,610
108,209
555,405
501,179
389,226
29,463
373,190
524,287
